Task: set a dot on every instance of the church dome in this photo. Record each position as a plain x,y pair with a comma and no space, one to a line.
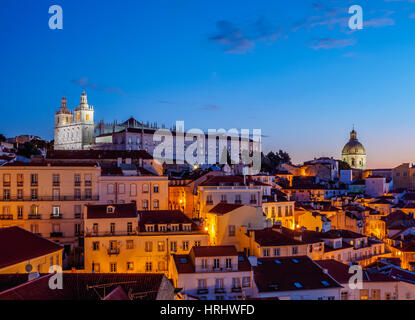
353,147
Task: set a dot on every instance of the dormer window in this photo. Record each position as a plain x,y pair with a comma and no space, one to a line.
162,227
150,227
110,209
187,227
174,227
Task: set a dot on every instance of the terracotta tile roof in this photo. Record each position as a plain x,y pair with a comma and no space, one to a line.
214,251
127,210
269,237
291,274
18,245
117,294
77,286
164,217
223,208
97,154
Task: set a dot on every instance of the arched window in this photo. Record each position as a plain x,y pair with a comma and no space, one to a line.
353,162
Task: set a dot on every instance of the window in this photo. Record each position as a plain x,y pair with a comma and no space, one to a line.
160,246
121,188
174,227
6,194
185,245
224,198
238,199
77,210
265,252
216,263
295,250
145,188
219,284
55,211
344,295
133,190
129,227
56,180
173,246
145,204
209,200
34,210
201,284
375,294
19,212
231,230
56,194
113,267
6,180
162,266
236,283
228,263
95,246
88,180
150,228
197,243
149,246
149,266
204,264
187,227
112,228
277,252
364,294
156,188
77,194
130,244
130,265
33,179
19,194
88,194
156,204
246,282
33,194
110,188
96,267
95,228
77,229
20,180
77,179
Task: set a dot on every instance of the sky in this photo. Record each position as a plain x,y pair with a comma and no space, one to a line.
293,69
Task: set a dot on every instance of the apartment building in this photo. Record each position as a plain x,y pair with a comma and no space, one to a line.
130,183
118,239
48,198
278,209
212,273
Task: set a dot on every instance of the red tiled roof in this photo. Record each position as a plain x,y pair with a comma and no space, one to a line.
214,251
269,237
291,274
77,286
223,208
18,245
127,210
163,217
117,294
98,154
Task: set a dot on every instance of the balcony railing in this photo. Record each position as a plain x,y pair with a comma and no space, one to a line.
34,216
113,251
33,183
88,183
202,291
51,198
238,289
56,234
238,201
220,290
77,183
56,183
6,217
56,216
6,184
208,203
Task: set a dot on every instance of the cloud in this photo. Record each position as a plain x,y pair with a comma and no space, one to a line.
85,84
330,43
239,40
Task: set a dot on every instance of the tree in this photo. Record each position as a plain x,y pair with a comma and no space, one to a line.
271,161
28,150
344,165
2,138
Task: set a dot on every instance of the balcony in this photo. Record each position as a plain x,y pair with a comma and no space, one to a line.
20,184
56,234
238,201
77,183
50,198
113,251
209,203
56,216
220,290
56,184
237,290
253,201
34,217
78,215
6,217
33,183
6,184
88,183
202,291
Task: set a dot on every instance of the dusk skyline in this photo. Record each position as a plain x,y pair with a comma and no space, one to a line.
292,69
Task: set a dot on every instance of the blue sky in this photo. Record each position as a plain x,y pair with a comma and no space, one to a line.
290,68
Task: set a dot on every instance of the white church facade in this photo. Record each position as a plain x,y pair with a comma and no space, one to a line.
74,130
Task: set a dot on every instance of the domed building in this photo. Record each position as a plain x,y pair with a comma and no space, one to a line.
354,153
